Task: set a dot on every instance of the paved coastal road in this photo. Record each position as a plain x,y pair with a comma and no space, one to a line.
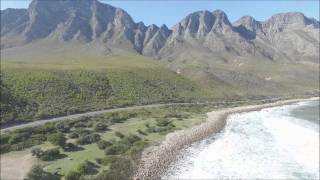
41,122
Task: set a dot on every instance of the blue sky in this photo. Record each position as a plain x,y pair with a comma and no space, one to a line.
169,12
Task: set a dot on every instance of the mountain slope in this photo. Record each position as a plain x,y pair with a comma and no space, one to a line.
80,21
66,56
284,37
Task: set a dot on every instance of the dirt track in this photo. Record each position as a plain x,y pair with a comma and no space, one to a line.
16,165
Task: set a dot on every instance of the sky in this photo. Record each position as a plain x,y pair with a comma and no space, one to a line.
169,12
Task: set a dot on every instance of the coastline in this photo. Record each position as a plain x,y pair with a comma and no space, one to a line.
156,159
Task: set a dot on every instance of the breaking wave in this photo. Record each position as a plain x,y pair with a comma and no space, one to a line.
272,143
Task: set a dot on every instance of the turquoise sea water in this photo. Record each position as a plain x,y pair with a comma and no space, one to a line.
274,143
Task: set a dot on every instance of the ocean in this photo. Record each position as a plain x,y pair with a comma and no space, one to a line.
273,143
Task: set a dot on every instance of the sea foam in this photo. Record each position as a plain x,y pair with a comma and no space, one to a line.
265,144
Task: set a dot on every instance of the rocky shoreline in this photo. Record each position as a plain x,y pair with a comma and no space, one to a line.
155,160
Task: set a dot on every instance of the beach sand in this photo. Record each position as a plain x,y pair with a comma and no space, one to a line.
156,159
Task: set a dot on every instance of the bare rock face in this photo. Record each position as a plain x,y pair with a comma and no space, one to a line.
76,20
248,27
13,21
293,34
156,40
209,30
286,36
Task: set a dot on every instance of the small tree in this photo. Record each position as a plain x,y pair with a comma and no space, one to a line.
50,154
36,152
102,144
116,149
84,168
72,175
73,135
119,169
163,122
88,139
100,127
37,173
70,147
132,138
119,134
57,139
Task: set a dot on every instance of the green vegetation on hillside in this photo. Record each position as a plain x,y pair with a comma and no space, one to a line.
31,94
40,86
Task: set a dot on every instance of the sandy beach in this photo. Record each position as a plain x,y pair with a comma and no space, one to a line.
156,159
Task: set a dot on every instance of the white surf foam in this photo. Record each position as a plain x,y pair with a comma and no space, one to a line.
266,144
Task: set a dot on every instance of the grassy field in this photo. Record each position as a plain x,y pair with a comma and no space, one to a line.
92,152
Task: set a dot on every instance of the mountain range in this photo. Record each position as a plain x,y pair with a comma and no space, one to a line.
283,37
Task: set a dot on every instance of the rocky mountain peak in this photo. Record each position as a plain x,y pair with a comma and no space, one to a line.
141,26
247,21
248,27
200,23
221,21
165,30
221,16
281,21
164,27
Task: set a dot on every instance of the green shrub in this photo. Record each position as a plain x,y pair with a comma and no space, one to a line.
16,137
84,168
70,147
119,134
102,144
100,127
73,135
82,131
120,169
36,152
107,160
137,148
88,139
90,124
57,139
4,148
50,154
116,149
4,138
142,132
163,122
37,173
38,137
47,128
80,125
131,138
147,125
62,127
72,175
